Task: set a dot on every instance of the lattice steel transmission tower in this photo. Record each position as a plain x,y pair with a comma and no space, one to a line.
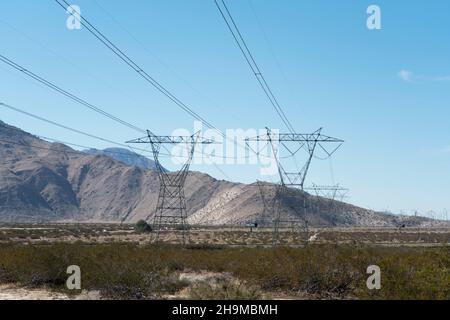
328,195
291,186
269,195
332,192
170,209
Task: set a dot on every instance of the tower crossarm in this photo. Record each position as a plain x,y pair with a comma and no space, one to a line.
151,138
316,136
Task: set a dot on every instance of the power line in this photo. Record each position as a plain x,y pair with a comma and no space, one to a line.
95,136
91,106
66,60
165,64
232,26
237,35
61,125
92,136
73,65
125,58
58,150
39,147
268,42
240,41
77,131
85,147
77,99
69,95
131,63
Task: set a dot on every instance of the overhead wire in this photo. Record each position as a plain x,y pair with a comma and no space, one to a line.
69,95
240,41
81,101
139,70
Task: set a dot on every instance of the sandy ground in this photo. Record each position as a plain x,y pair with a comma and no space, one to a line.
13,292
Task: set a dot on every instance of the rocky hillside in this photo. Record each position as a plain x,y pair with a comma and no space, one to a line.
43,181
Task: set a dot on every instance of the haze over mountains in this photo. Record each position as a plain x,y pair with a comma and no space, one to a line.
125,156
42,181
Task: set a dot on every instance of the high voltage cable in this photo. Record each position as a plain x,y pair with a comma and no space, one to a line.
59,150
125,58
70,95
252,63
237,35
240,41
104,152
82,153
75,130
162,62
131,63
92,135
61,125
67,94
38,147
85,147
76,99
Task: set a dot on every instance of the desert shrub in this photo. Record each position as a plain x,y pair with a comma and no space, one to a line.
180,227
142,227
5,275
224,290
130,271
129,283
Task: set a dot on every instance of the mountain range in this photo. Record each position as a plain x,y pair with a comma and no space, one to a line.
42,181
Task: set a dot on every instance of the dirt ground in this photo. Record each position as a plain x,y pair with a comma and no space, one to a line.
15,292
227,236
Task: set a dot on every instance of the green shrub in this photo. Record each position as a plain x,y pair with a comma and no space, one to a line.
142,227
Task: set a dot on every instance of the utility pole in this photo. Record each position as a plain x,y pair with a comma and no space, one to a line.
170,209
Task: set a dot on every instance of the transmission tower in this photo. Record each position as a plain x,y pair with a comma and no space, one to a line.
328,195
289,193
269,195
333,192
170,209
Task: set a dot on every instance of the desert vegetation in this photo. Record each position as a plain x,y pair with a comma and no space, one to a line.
219,235
132,271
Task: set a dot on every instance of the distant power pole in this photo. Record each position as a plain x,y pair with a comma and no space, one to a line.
170,209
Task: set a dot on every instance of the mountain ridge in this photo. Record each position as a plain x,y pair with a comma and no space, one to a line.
45,181
125,156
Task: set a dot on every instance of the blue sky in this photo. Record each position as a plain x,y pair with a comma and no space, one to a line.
385,92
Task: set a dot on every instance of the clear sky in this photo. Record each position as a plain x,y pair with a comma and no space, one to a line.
385,92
